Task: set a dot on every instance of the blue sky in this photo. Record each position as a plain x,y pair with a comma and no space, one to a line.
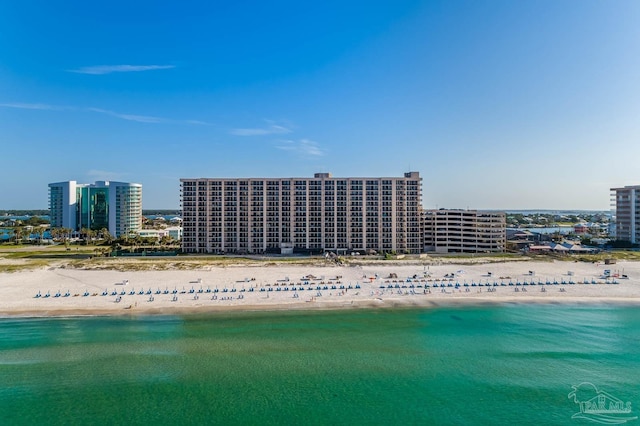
498,104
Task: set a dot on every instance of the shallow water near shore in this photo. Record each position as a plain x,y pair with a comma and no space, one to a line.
469,365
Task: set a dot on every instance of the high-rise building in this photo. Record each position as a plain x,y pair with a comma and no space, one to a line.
116,206
464,231
626,201
323,213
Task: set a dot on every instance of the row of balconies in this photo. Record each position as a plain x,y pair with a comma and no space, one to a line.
330,190
191,244
233,215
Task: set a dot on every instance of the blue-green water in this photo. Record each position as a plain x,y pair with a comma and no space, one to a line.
485,365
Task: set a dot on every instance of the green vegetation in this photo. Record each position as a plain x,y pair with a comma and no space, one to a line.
486,255
601,257
553,220
45,212
22,267
20,257
161,212
24,212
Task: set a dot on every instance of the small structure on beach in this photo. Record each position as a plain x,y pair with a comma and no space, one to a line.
286,248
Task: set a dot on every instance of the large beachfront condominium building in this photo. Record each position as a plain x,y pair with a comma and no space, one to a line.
318,214
464,231
116,206
626,201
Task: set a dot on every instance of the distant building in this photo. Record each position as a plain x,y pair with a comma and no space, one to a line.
581,228
116,206
152,233
319,214
611,228
626,201
174,232
464,231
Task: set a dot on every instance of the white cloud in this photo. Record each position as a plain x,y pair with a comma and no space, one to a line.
34,106
304,147
130,117
108,69
271,129
147,118
197,122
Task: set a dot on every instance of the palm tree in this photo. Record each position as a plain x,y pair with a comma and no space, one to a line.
83,233
90,236
26,234
66,233
17,234
108,238
40,233
166,240
23,233
54,233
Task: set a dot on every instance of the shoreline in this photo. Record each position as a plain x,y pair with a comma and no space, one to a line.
282,287
329,307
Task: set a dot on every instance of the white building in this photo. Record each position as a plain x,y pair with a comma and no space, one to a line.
323,213
116,206
626,201
174,232
63,204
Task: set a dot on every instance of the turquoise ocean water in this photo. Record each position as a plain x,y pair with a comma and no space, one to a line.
483,365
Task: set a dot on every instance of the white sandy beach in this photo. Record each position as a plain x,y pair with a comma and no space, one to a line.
279,287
